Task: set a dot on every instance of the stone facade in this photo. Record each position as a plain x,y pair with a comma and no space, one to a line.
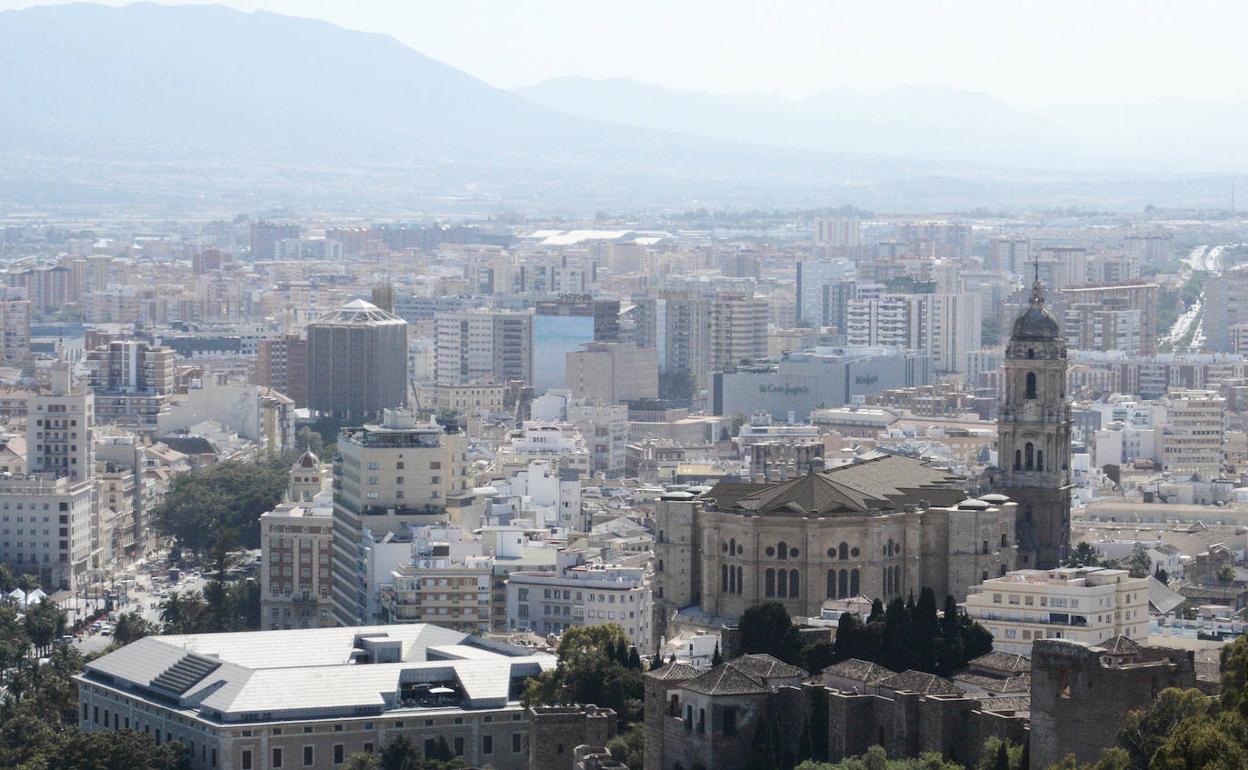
1080,694
708,719
882,528
556,731
1033,436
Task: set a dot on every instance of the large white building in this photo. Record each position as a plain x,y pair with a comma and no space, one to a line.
579,594
47,528
270,700
58,428
945,326
1084,604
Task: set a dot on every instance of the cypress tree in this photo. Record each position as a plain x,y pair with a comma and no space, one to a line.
898,637
1002,759
634,659
848,631
926,631
716,659
877,611
1024,762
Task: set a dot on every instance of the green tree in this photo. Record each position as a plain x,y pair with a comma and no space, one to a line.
205,508
1139,562
44,623
1083,555
589,672
926,624
130,627
401,754
898,649
767,628
848,637
818,656
361,761
1143,732
629,746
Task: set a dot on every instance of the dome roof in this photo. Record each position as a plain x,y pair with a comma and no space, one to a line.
1037,322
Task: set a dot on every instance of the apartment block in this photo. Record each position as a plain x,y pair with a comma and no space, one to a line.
1194,434
1081,604
295,574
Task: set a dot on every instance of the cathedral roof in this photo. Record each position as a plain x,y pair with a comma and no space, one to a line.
885,484
1037,322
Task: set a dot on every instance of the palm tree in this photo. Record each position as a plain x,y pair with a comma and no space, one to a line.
172,611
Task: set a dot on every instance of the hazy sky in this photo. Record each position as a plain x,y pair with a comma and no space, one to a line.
1026,52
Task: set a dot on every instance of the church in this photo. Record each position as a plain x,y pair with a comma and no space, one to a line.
883,527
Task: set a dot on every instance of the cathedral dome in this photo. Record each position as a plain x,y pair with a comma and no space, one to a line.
1037,322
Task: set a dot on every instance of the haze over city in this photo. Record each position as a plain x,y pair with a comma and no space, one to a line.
623,386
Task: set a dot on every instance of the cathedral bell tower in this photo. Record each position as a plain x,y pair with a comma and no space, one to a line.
1033,435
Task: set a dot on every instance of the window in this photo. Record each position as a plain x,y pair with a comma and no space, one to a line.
308,754
1031,385
459,747
843,551
782,583
769,582
487,744
854,588
515,743
793,581
782,550
277,758
246,759
339,751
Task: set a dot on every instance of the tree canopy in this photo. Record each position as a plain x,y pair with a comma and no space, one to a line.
595,666
220,506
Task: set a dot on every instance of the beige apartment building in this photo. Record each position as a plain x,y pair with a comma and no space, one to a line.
612,372
1083,604
295,574
436,588
1194,434
386,477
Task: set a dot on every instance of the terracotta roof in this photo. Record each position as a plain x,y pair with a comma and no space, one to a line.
766,667
1005,662
858,671
1013,684
885,483
673,672
1120,645
725,679
920,682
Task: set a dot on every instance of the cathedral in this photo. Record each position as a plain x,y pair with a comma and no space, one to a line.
1033,436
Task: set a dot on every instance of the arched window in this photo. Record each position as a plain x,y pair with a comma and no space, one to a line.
832,584
782,550
843,583
897,580
1018,459
794,579
740,579
769,582
1039,459
1031,352
843,551
1029,456
732,547
854,587
674,708
1031,385
732,580
723,577
782,583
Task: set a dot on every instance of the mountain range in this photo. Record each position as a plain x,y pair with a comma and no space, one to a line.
202,105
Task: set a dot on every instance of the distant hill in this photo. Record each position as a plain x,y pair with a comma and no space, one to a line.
190,106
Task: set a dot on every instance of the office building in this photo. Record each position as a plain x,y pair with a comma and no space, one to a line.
14,325
314,697
282,364
1194,434
1225,306
487,347
1009,254
133,382
738,332
266,238
1111,318
357,361
48,528
387,477
816,289
613,372
1082,604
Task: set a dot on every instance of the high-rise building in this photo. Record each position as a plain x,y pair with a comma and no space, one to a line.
387,477
1112,318
267,236
14,325
1194,433
357,361
472,347
738,331
282,364
816,288
1008,254
1225,306
1149,249
1033,436
612,372
838,232
59,425
133,382
945,326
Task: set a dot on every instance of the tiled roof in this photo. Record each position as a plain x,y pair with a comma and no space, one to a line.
1019,704
858,671
1120,645
1013,684
885,483
920,682
726,679
673,672
766,667
1005,662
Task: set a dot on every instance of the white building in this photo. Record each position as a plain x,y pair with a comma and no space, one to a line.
295,576
1086,604
58,428
579,595
558,442
262,700
47,528
1195,432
